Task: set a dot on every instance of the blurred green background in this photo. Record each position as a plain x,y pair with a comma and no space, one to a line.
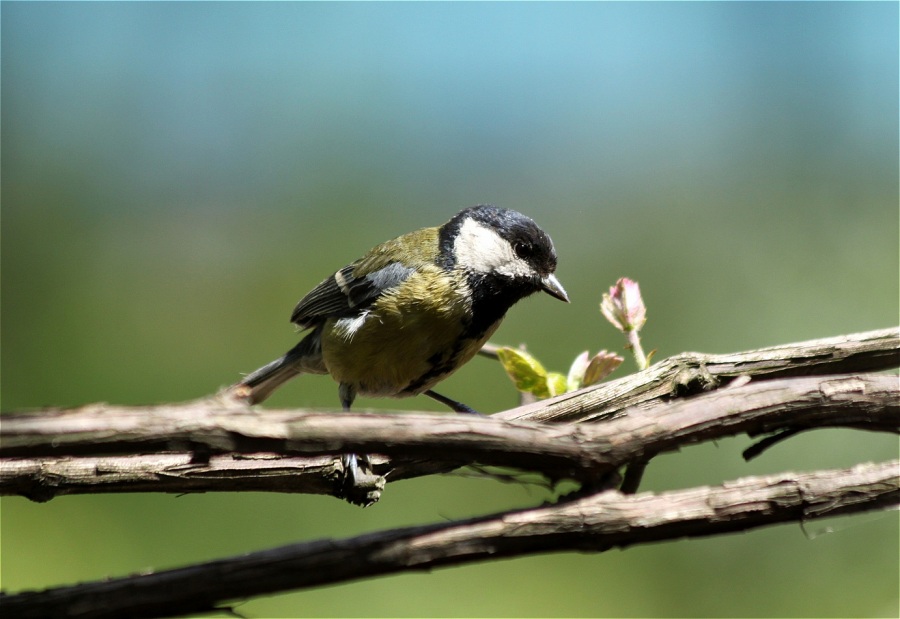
176,175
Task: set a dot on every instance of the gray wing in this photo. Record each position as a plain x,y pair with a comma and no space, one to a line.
344,295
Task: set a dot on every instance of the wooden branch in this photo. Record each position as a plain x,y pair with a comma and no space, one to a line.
212,444
870,402
584,452
691,373
41,479
595,522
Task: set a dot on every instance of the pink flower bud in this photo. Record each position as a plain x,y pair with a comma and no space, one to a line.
624,307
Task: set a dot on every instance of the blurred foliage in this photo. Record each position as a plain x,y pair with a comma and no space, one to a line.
176,175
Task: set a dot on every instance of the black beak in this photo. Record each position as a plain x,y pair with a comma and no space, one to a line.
551,286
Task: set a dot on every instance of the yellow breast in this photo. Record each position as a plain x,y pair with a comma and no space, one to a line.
407,341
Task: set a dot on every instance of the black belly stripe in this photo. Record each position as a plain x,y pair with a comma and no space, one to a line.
441,365
492,296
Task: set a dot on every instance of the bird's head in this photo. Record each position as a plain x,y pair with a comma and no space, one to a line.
504,246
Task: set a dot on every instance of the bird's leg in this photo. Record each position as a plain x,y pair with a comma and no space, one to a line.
459,407
350,461
354,486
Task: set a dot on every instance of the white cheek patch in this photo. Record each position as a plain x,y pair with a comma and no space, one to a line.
479,248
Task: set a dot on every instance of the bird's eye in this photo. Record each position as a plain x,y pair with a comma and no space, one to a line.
522,249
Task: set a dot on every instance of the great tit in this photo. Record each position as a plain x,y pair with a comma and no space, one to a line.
414,309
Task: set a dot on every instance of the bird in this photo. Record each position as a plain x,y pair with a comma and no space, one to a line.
414,309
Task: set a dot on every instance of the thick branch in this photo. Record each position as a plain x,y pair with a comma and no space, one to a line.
596,522
862,402
579,451
41,478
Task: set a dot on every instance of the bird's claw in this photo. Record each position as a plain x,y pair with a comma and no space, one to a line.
359,485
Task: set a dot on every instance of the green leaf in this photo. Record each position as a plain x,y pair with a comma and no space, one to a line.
526,372
556,384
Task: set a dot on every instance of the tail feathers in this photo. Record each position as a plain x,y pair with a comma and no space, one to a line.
260,384
304,358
